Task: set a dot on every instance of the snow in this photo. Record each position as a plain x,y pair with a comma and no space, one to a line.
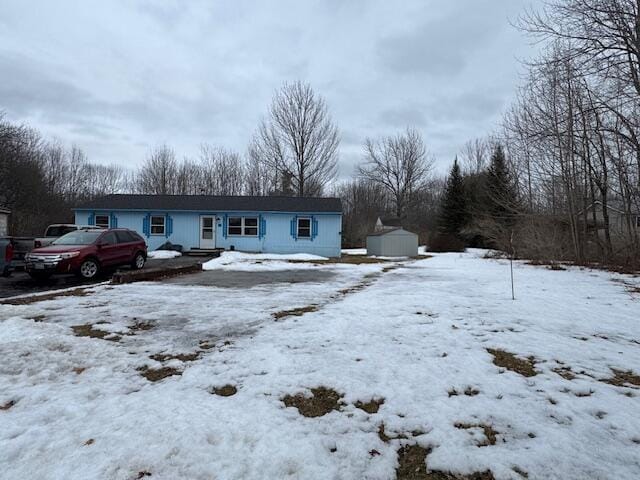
415,331
240,261
163,254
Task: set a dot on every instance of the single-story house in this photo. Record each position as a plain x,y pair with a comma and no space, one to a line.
396,242
271,224
4,221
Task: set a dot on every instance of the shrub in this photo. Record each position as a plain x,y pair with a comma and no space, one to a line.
442,242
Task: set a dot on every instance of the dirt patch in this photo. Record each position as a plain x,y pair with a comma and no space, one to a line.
489,433
371,406
469,392
155,375
322,401
504,359
91,441
295,312
78,370
39,318
87,330
412,465
142,475
623,379
76,292
225,391
183,357
8,405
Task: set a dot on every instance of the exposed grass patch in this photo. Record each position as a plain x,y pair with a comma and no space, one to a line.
91,441
76,292
155,375
143,474
322,401
140,327
469,392
489,433
87,330
225,391
412,465
39,318
8,405
78,370
183,357
623,379
564,372
504,359
371,407
348,259
294,312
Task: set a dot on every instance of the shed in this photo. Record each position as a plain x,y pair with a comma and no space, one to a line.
392,243
4,221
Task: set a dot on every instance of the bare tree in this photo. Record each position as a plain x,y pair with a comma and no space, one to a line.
400,164
299,138
222,171
159,172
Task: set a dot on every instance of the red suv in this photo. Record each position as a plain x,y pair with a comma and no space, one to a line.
86,251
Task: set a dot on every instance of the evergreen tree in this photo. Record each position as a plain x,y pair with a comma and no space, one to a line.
453,211
502,192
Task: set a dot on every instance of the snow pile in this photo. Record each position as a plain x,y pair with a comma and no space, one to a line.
163,254
240,261
418,334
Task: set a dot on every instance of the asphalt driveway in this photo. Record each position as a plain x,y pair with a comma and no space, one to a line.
20,283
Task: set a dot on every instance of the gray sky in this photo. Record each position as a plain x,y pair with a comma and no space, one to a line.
119,77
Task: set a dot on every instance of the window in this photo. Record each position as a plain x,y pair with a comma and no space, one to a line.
108,239
157,225
304,228
243,226
59,230
124,237
102,221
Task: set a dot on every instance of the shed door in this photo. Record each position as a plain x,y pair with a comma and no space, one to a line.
207,231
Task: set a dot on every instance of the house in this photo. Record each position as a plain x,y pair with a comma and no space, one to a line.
387,223
4,221
272,224
396,242
621,221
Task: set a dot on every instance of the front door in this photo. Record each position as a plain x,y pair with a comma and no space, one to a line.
207,231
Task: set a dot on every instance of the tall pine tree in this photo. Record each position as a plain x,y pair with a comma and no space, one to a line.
502,192
453,210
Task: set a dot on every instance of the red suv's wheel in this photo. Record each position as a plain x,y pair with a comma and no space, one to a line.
89,269
138,261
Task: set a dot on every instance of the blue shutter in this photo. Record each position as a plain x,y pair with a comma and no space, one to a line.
225,222
314,228
168,225
92,219
113,220
146,225
294,227
262,226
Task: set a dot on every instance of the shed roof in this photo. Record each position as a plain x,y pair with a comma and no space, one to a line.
391,221
215,203
387,232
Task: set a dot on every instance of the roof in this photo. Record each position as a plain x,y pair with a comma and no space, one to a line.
387,232
214,203
390,221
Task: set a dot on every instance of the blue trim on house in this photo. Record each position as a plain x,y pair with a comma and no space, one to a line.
211,212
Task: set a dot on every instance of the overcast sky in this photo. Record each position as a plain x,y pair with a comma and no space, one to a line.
119,77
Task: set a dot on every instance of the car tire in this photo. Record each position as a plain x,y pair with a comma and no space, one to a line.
40,276
89,269
138,261
6,272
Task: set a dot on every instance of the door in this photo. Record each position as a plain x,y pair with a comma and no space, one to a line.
109,253
207,231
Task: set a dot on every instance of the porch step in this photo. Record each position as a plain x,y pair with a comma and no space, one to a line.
204,252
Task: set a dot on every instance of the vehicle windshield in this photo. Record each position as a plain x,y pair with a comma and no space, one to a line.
79,237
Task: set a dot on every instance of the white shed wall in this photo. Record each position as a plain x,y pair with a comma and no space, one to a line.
398,243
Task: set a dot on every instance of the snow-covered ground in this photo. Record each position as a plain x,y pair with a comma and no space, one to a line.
240,261
414,333
163,254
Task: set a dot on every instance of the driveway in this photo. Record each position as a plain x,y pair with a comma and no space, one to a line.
20,283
